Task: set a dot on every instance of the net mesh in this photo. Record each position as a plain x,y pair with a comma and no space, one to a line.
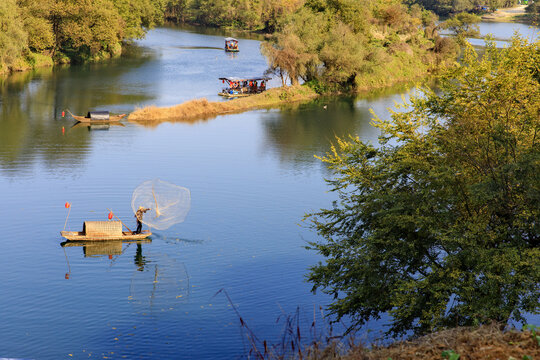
159,285
169,204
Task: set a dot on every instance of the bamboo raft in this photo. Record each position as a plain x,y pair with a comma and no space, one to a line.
103,231
97,117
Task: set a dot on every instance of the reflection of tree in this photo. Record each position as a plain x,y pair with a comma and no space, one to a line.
300,131
31,103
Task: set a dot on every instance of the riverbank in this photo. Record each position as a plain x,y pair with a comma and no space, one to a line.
514,14
198,109
464,343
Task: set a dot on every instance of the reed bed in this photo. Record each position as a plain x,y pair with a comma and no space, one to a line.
487,342
201,109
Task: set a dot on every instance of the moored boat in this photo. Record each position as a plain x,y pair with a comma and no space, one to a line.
97,117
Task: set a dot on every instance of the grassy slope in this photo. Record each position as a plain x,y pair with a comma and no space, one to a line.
484,342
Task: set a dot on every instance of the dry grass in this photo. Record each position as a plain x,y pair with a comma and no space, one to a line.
485,342
202,109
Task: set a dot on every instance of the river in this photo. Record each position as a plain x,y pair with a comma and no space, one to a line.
252,177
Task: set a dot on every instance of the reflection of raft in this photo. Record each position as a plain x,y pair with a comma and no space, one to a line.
99,248
97,117
103,230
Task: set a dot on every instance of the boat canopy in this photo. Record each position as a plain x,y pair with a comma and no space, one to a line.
102,228
98,115
235,79
227,39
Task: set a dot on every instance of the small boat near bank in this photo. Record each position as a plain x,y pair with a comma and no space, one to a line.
103,231
240,87
231,44
97,117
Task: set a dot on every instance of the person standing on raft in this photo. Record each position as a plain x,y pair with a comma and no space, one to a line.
139,215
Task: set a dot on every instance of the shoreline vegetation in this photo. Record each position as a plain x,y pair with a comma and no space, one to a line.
461,343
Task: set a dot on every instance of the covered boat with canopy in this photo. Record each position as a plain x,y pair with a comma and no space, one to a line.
231,44
237,87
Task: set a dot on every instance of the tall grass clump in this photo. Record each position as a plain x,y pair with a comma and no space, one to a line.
204,109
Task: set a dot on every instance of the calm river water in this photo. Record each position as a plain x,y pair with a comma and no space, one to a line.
252,177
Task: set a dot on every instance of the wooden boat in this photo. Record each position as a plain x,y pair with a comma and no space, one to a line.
97,117
240,87
231,44
103,231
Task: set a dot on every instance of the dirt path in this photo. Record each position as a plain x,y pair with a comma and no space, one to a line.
508,14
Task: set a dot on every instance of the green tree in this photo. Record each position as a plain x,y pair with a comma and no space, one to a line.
139,16
352,46
463,25
438,226
12,35
293,50
35,15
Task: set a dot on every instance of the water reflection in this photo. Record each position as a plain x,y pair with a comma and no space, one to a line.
90,127
108,248
299,131
31,104
160,286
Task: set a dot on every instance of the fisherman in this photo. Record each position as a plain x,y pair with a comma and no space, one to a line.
139,215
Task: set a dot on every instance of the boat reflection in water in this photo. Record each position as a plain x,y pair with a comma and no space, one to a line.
108,248
90,127
105,248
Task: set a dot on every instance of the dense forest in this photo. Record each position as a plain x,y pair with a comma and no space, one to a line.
333,44
353,45
43,32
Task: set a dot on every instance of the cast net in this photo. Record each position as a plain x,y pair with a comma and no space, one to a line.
169,204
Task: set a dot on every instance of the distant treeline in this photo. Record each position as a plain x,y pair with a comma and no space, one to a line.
243,14
42,32
446,8
332,44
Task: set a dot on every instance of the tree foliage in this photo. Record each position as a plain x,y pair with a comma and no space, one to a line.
12,37
354,45
438,225
73,30
242,14
463,25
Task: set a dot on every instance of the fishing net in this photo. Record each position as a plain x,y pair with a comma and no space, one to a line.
169,204
159,284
